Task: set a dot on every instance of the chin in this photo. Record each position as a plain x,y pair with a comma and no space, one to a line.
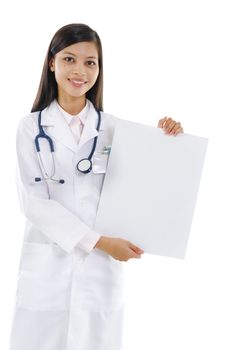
76,95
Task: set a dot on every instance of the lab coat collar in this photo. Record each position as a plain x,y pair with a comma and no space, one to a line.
82,115
60,130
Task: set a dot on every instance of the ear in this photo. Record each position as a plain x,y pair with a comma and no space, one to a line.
52,65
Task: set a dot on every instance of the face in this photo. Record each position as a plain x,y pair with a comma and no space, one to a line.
76,69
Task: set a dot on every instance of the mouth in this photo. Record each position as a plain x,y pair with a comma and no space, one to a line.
77,83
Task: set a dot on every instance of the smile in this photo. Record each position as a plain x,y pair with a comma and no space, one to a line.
77,83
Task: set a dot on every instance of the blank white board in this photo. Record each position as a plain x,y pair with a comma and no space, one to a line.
150,188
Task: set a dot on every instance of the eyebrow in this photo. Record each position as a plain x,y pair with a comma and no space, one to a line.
70,53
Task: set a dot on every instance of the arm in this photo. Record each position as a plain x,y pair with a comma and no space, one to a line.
49,216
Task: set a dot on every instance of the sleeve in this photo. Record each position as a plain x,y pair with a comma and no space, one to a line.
49,216
88,242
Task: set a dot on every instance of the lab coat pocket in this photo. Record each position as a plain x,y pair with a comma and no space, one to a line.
44,277
103,282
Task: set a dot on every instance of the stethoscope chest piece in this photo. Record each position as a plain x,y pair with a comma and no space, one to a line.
84,165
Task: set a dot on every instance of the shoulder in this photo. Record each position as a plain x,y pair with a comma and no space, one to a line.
109,123
27,123
109,119
30,120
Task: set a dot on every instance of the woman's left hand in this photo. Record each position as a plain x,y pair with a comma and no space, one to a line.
170,126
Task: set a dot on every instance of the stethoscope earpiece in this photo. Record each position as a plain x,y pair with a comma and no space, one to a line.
38,179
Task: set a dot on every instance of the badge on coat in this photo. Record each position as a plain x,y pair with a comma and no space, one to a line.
100,160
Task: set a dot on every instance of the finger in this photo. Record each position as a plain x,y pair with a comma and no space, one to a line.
175,128
179,131
169,127
132,253
162,122
168,121
136,249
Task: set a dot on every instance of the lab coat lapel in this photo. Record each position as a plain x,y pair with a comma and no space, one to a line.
89,131
57,127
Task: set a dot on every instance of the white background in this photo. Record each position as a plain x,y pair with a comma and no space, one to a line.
160,58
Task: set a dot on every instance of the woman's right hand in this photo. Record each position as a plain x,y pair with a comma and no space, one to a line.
118,248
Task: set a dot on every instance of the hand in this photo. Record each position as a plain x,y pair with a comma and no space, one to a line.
170,126
118,248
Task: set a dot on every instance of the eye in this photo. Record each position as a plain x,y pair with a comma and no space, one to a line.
91,63
69,59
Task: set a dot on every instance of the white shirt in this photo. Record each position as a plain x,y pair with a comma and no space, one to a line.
76,124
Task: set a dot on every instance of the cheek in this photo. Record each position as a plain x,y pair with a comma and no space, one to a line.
61,69
60,75
95,76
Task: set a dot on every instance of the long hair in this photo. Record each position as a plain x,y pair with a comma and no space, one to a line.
66,36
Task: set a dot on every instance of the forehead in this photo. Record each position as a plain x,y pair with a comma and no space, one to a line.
83,48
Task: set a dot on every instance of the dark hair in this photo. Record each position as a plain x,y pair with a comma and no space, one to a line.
66,36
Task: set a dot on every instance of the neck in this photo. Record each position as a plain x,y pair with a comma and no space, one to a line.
72,105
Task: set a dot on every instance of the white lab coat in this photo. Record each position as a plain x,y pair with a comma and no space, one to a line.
66,298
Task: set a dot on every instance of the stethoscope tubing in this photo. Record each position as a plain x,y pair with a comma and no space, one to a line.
84,165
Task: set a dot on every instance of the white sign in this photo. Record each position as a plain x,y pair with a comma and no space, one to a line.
150,188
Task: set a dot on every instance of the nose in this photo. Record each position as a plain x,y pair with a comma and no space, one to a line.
77,72
78,69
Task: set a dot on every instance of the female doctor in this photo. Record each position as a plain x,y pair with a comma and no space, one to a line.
70,283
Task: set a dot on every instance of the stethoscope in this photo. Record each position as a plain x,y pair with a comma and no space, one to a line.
84,165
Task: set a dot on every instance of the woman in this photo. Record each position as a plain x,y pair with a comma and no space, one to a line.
70,286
